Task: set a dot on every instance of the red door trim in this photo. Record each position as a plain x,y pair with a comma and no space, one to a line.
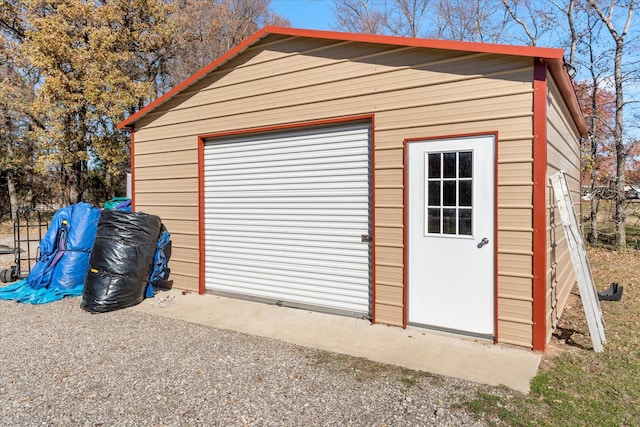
405,201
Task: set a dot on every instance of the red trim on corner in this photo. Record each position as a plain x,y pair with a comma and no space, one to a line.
133,168
201,236
539,291
405,203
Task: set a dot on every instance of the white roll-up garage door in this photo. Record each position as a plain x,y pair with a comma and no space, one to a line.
285,216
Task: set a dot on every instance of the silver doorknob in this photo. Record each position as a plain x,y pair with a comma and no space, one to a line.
483,242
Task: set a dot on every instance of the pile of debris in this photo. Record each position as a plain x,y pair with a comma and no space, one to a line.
113,257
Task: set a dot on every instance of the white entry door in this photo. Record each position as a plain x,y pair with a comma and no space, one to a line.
451,233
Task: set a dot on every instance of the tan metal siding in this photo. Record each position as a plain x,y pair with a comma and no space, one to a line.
170,191
563,153
412,92
165,172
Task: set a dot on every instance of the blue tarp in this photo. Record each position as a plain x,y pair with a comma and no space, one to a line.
159,273
64,258
21,291
65,267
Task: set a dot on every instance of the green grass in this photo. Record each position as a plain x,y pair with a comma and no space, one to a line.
576,386
408,377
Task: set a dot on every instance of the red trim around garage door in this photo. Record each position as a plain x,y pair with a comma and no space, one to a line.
201,259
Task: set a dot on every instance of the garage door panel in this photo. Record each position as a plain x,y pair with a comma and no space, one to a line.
306,295
297,197
320,226
293,160
285,214
286,260
294,180
292,206
305,142
290,284
310,243
301,271
343,234
307,174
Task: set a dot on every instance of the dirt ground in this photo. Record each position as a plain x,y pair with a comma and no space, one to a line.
29,242
6,239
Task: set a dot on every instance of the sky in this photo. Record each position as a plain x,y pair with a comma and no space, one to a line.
318,15
307,14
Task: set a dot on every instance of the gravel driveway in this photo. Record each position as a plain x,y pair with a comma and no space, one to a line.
62,366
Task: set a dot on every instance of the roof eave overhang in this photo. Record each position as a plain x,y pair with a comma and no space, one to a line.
553,57
565,86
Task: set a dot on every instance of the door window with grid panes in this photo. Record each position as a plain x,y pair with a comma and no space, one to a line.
448,193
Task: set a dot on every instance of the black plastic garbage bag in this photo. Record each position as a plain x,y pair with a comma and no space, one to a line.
121,260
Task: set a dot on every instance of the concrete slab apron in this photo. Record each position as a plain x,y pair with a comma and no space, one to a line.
412,348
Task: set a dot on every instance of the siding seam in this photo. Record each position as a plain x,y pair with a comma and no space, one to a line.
515,297
389,264
514,320
389,225
514,252
389,245
460,120
388,303
515,184
339,98
419,66
514,274
392,284
511,161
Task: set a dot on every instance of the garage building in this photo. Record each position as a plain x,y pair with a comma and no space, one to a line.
403,180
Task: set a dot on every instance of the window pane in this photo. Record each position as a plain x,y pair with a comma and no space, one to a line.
464,222
449,221
449,165
434,165
465,193
434,221
449,193
434,193
466,164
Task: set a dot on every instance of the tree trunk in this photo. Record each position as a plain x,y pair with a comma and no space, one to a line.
13,198
621,152
593,216
11,181
619,217
593,132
